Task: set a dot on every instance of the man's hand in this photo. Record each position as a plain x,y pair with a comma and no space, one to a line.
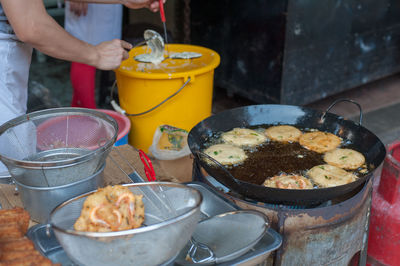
111,54
153,5
78,8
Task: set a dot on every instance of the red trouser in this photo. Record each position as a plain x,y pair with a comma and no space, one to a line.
83,83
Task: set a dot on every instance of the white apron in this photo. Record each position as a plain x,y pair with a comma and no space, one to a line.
103,22
15,58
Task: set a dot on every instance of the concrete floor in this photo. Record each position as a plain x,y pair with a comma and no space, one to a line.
49,86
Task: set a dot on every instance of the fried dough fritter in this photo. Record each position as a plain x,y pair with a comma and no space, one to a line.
11,230
345,158
330,176
284,133
113,208
16,215
288,182
20,244
226,154
319,141
18,254
243,137
15,248
29,260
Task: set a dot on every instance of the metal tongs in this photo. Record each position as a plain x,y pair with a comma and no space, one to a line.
198,252
155,194
148,166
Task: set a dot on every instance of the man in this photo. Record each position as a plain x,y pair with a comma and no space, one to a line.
92,23
25,24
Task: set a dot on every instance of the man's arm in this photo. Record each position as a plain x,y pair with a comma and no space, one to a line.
33,25
153,5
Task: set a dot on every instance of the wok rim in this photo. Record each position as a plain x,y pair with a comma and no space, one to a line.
192,142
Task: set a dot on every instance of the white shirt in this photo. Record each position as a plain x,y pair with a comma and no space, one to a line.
103,22
15,58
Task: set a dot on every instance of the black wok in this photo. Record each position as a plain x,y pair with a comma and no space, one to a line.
361,140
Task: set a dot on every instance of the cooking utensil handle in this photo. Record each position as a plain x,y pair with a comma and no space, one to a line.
148,166
344,100
198,154
195,246
162,13
151,176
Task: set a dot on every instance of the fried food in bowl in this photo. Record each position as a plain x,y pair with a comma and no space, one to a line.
171,214
113,208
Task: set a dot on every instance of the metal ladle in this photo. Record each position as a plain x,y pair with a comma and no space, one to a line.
156,43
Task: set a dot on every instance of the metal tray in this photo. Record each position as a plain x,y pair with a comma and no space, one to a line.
213,204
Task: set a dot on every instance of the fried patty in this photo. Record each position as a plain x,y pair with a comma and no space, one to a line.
226,154
243,137
345,158
326,175
288,182
319,141
283,133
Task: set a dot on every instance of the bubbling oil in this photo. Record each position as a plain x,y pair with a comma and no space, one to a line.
275,158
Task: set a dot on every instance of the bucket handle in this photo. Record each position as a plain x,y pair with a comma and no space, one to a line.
122,111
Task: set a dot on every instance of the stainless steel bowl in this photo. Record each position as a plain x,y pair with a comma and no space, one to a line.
227,236
55,147
40,201
5,178
171,214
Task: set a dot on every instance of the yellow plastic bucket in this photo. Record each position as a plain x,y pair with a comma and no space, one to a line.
184,87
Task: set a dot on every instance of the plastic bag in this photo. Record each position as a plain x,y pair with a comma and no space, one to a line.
169,143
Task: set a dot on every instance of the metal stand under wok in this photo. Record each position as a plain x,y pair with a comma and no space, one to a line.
333,233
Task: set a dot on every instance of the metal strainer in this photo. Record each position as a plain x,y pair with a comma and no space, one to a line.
57,146
224,237
158,241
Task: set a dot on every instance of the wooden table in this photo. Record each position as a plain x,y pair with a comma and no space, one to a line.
119,163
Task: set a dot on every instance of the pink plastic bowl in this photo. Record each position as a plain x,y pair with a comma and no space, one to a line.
72,131
124,126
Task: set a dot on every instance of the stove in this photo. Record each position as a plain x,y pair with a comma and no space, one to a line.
332,233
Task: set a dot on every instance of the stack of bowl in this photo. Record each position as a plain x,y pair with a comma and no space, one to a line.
56,154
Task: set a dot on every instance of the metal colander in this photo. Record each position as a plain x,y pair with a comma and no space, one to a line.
172,211
57,146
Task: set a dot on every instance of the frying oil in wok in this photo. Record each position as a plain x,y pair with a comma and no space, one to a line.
274,158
